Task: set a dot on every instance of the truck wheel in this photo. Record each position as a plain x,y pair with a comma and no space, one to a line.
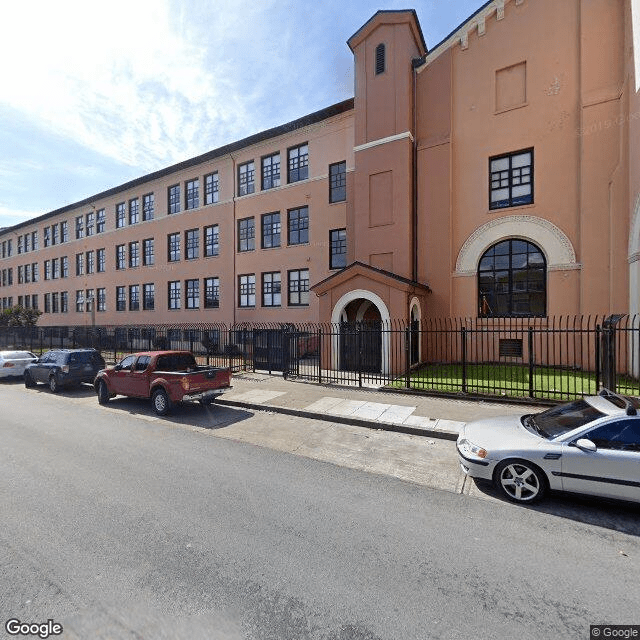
28,380
54,387
103,392
160,401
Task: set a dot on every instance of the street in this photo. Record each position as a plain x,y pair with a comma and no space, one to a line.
119,524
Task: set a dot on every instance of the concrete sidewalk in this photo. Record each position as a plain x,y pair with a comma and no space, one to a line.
405,413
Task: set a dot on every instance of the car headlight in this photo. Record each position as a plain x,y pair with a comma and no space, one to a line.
468,448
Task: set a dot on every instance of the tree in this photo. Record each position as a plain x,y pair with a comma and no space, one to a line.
18,316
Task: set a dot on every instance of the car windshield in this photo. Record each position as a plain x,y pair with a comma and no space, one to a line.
567,417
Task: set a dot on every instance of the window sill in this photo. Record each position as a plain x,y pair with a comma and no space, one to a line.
510,108
517,207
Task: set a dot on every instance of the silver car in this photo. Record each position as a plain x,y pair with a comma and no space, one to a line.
12,363
590,446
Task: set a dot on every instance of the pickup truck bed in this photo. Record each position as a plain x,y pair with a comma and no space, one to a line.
166,377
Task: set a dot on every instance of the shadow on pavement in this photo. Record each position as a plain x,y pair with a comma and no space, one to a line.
212,416
601,512
76,391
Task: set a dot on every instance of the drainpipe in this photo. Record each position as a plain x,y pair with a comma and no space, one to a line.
415,63
235,240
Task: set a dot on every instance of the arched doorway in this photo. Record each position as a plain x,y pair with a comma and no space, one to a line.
360,341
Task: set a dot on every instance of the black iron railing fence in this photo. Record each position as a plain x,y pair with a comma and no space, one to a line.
554,358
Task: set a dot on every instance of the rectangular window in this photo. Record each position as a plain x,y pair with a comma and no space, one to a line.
27,273
192,243
64,301
246,178
298,225
247,290
298,165
89,299
90,257
47,303
35,273
134,211
211,188
173,246
101,219
47,269
511,179
10,276
34,240
211,293
55,268
55,234
101,257
193,294
27,242
79,227
120,215
79,264
19,245
211,241
192,194
20,275
134,297
121,299
148,296
271,230
101,299
174,198
337,249
64,231
134,254
79,301
121,256
91,220
271,289
148,206
338,182
64,267
246,234
34,301
271,171
55,303
299,288
147,252
47,236
174,294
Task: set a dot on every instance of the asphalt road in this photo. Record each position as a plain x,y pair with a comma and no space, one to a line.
119,525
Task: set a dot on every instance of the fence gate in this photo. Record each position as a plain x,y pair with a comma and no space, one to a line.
361,346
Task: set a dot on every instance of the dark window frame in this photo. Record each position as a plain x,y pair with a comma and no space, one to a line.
246,178
340,242
298,164
300,290
338,182
270,171
269,290
270,230
497,180
294,230
246,234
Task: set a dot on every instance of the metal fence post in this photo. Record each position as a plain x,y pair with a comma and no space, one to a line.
359,352
609,351
319,356
463,335
531,361
597,357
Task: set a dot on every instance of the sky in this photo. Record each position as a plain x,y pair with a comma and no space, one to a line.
93,95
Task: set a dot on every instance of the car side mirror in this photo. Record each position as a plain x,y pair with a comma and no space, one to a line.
586,445
117,367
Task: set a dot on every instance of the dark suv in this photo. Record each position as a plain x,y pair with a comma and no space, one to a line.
64,367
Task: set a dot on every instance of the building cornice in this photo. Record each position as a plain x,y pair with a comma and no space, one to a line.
375,143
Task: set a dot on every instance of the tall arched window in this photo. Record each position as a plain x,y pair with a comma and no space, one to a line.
512,280
380,59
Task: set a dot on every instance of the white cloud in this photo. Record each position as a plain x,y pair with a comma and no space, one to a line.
122,78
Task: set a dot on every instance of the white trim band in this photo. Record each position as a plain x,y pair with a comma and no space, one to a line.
375,143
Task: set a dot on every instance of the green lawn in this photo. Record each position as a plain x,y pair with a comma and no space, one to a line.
503,380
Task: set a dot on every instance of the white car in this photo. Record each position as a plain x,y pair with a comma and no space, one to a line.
12,363
590,446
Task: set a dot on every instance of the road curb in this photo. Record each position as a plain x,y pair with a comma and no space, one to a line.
356,422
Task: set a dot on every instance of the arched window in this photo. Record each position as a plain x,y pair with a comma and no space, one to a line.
512,280
380,59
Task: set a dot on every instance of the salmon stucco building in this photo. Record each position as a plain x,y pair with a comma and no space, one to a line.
496,174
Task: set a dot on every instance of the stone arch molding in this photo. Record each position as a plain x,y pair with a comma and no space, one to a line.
553,241
336,316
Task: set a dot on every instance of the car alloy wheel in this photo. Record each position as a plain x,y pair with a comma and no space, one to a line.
53,384
160,401
520,481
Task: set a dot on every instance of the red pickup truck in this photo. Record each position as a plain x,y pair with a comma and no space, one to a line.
167,377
